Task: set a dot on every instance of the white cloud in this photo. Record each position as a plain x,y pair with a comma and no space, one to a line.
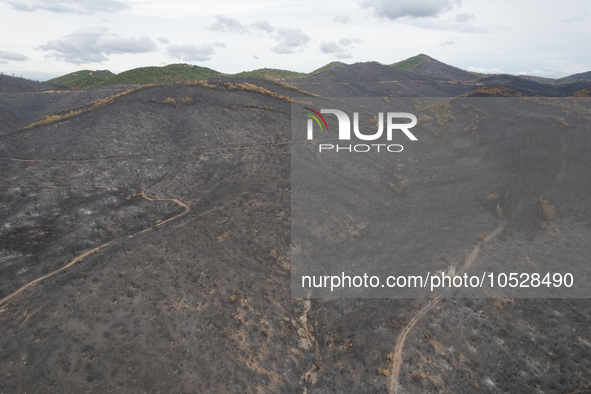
219,44
341,18
349,41
331,47
410,8
263,25
163,40
12,56
71,6
288,40
226,24
91,44
464,18
191,52
21,6
446,43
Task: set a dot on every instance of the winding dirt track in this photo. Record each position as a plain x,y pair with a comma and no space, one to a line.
92,251
398,348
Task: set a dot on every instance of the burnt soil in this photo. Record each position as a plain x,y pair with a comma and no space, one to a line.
202,303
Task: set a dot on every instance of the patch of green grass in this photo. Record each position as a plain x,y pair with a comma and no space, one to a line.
411,62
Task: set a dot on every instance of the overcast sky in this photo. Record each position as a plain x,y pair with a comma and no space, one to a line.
41,39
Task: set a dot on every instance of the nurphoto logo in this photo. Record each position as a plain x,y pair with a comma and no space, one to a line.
344,132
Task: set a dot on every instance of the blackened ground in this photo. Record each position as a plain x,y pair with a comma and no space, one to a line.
202,303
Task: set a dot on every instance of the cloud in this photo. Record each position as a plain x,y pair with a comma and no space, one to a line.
464,18
450,25
288,40
72,6
575,19
348,41
22,7
331,47
91,44
163,40
446,43
225,23
12,56
264,25
3,62
191,52
219,44
341,18
410,8
255,57
484,70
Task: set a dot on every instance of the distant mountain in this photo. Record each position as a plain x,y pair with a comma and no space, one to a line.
10,84
426,65
372,79
363,72
586,76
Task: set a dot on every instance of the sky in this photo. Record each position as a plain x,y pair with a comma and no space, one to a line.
42,39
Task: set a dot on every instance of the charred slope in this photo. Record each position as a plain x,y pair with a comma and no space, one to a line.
533,88
10,84
18,110
202,303
586,76
377,80
434,68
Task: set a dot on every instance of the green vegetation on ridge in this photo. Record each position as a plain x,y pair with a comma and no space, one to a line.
172,73
329,66
161,75
411,62
267,73
83,78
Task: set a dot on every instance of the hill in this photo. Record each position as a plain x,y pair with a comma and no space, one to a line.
173,203
411,62
426,65
172,73
329,66
267,73
586,76
373,79
82,79
9,84
147,237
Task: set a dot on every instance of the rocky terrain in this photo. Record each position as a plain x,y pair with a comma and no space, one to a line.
145,245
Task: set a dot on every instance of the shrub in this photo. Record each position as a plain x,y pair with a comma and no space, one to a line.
499,211
169,100
546,209
383,371
492,197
